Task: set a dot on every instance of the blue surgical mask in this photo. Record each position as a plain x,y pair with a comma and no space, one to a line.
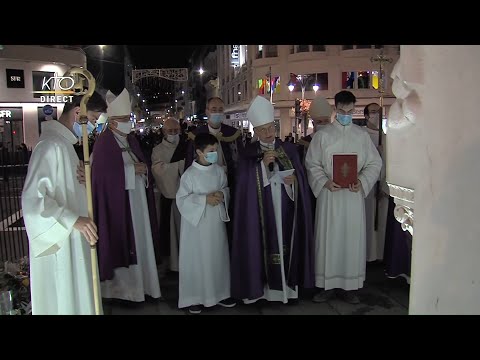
216,118
344,119
211,157
77,128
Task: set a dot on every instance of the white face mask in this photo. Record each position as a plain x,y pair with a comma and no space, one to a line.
173,139
124,127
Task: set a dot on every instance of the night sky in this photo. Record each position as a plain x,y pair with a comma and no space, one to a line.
107,64
156,56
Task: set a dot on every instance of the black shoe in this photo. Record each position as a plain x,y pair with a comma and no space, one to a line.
349,297
152,300
323,296
195,309
293,302
228,303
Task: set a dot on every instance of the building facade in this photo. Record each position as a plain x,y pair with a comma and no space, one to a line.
245,71
23,70
202,81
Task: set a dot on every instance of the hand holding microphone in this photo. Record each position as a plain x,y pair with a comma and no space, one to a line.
269,159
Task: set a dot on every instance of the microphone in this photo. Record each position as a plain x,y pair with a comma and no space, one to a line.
270,147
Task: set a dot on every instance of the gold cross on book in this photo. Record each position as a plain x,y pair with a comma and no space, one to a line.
345,170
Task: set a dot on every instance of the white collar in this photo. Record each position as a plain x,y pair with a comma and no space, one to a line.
202,167
214,131
167,143
337,124
54,127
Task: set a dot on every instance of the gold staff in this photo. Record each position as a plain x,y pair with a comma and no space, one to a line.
381,58
75,72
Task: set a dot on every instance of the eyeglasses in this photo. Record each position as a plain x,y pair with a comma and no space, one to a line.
263,131
343,112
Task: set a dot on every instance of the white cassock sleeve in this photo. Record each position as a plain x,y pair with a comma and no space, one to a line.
226,196
370,172
48,222
166,174
317,176
191,206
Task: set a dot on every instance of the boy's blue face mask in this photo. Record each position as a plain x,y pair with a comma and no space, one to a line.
211,157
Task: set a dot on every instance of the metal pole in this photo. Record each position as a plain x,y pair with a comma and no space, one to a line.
380,59
270,84
304,129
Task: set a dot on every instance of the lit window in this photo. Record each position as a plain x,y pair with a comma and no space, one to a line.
375,80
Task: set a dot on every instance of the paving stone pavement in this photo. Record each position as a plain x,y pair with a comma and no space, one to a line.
380,296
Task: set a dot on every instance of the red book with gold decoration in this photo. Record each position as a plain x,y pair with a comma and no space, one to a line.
345,169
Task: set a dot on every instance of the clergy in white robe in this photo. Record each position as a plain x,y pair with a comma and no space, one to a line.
168,163
124,209
229,150
202,199
54,205
340,235
376,237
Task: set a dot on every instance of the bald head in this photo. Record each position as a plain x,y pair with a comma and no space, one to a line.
171,126
320,112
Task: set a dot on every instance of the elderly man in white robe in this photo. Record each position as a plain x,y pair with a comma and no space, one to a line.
54,205
168,163
340,237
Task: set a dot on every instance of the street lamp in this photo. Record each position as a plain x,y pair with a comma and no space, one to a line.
303,79
201,71
315,86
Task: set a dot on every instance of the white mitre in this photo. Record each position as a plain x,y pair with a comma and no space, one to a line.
118,105
102,118
320,107
260,112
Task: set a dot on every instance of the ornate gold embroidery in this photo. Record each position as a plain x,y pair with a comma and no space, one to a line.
284,159
275,259
262,220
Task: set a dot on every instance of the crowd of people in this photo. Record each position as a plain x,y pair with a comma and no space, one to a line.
239,217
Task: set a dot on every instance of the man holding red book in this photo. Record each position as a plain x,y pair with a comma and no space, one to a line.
342,165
